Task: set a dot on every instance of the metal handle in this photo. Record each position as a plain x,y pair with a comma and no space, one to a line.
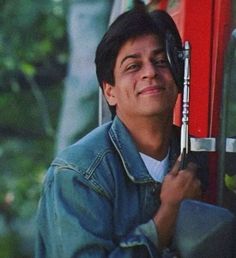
185,108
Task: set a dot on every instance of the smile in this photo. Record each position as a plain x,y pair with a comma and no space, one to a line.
151,90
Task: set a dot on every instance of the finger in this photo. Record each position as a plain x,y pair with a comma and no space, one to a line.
190,172
198,189
176,167
192,166
183,160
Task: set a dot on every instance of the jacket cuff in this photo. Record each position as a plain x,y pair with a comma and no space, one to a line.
145,234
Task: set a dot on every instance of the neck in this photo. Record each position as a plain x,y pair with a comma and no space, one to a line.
151,135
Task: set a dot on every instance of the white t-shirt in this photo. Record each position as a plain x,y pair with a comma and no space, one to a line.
156,168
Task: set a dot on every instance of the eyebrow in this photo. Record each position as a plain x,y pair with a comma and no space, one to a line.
135,56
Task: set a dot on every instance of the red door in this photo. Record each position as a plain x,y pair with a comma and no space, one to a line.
206,25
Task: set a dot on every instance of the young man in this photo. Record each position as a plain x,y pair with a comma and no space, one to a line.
117,192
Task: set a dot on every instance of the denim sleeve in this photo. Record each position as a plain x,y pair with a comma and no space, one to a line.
74,220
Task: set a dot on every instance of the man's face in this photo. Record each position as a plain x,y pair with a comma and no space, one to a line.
144,85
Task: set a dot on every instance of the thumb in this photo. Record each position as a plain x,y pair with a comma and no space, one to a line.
175,169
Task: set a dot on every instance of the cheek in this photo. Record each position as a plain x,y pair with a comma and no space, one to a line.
171,83
127,85
173,91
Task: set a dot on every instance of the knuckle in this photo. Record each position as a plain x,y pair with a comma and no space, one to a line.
192,166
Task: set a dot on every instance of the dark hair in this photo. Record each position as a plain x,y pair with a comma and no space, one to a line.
129,25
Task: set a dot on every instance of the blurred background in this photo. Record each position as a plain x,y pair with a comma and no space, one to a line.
48,99
33,59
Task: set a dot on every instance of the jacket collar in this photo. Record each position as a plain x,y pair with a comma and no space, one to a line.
129,154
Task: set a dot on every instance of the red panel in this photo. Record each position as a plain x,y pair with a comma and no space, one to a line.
162,4
194,20
206,25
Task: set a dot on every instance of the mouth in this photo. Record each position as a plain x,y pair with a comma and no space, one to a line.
151,90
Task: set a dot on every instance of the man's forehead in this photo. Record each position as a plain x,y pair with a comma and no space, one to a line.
136,46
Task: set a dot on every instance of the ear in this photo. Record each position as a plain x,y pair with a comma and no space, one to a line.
109,92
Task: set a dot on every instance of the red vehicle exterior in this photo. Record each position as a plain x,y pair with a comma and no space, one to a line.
207,26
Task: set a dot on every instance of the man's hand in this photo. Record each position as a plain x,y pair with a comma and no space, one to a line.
177,186
181,184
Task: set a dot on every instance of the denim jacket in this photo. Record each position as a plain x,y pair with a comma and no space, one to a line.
99,200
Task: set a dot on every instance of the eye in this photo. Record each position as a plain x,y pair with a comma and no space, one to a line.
133,67
160,62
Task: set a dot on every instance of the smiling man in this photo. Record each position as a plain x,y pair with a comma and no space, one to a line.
117,191
144,93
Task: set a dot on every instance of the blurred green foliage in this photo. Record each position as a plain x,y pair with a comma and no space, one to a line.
32,37
33,58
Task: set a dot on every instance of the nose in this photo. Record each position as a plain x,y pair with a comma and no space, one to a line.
149,71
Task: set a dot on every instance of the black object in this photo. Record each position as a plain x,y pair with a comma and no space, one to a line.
172,43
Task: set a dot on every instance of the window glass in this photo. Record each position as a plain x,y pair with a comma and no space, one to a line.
230,83
228,128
